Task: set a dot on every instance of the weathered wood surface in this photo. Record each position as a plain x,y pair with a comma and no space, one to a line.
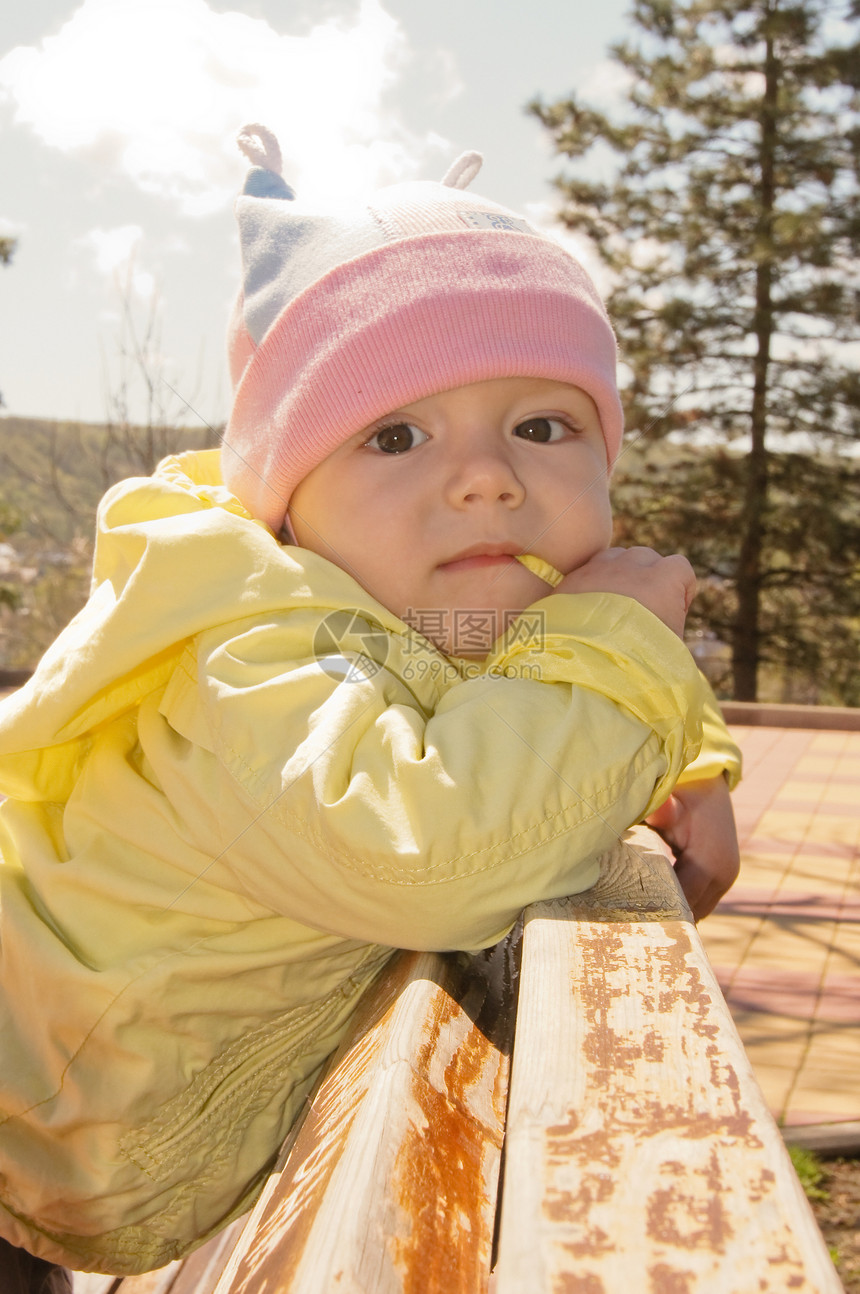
93,1283
392,1180
639,1153
160,1282
202,1270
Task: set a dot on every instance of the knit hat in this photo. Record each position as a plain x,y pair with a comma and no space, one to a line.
350,312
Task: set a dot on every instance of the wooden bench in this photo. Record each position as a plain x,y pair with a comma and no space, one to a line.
572,1110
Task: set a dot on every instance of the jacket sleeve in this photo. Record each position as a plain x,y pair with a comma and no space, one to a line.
390,805
720,754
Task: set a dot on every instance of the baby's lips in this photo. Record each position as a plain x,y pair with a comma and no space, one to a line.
543,570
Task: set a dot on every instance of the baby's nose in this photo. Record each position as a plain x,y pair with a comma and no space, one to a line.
486,477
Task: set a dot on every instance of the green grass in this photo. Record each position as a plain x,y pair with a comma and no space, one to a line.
807,1165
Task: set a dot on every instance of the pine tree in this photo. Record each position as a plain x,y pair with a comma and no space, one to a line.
732,227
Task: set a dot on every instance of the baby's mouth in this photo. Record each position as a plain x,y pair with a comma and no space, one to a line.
478,560
480,555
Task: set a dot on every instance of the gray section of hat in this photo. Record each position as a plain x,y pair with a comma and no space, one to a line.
284,251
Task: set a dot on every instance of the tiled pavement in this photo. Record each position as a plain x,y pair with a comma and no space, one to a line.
785,941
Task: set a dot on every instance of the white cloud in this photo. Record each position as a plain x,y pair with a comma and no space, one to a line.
9,228
157,90
116,257
113,248
606,85
447,82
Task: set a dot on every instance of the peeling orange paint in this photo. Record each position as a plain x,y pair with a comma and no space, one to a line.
665,1280
447,1169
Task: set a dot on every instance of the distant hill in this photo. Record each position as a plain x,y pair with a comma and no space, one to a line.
52,473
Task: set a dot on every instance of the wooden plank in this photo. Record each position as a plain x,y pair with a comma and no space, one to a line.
94,1283
391,1183
639,1151
201,1271
157,1282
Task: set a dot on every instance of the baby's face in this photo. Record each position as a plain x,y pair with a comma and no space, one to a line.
428,507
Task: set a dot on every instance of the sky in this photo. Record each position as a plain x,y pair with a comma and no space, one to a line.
119,168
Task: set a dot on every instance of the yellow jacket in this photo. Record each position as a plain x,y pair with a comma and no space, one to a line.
221,820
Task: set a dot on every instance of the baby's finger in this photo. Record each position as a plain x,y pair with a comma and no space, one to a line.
687,576
698,885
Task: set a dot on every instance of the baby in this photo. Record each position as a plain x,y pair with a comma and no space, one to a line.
371,678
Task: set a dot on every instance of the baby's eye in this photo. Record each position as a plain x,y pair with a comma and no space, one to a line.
397,437
541,429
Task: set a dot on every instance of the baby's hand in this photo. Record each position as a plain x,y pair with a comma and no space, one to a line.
698,822
665,585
